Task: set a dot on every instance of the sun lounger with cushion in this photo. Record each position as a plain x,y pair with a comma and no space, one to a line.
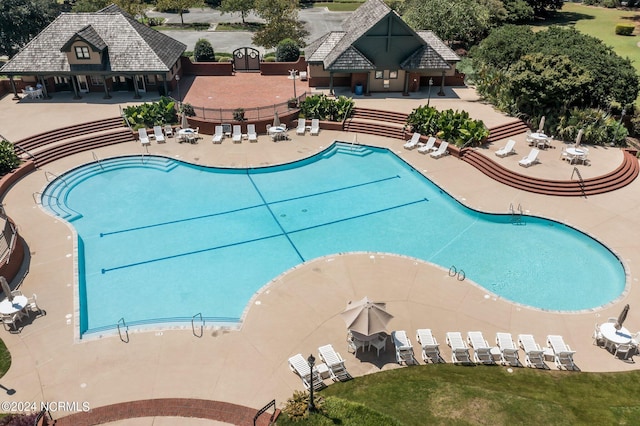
404,348
533,354
562,353
335,363
481,349
430,348
459,349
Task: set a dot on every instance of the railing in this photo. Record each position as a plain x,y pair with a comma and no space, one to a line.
193,324
458,273
516,215
42,195
580,180
95,158
125,339
33,157
48,174
263,410
224,115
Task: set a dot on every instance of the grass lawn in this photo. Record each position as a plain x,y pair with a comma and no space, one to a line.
340,6
450,394
600,23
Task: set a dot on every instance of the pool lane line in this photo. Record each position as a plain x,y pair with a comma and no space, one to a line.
274,217
283,233
173,222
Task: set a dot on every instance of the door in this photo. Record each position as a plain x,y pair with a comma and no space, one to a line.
140,83
83,86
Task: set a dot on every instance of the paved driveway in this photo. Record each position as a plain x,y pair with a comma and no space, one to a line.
318,21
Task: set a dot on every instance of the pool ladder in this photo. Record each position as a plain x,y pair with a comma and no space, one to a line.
123,330
516,214
458,273
193,324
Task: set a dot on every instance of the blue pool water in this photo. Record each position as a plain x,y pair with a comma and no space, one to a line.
162,240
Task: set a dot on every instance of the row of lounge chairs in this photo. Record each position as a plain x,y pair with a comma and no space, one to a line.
505,352
332,366
429,147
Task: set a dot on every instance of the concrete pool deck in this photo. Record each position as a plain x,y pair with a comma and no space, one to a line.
300,310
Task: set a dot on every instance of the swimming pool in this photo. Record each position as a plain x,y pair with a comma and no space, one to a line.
161,240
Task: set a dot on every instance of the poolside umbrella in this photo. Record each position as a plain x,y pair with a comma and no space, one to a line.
622,317
366,317
276,119
541,126
6,289
184,124
579,137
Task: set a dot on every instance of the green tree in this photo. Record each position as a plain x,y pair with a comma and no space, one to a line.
282,22
518,11
179,6
203,51
287,51
132,7
462,21
9,160
21,20
503,47
540,7
240,6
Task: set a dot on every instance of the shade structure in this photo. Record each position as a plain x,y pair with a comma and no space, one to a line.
366,317
184,123
276,119
541,126
579,137
6,289
622,317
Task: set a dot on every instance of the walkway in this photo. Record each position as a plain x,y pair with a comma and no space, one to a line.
299,310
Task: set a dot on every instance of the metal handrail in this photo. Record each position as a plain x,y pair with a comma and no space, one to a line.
580,180
263,410
193,325
25,151
95,157
55,176
126,330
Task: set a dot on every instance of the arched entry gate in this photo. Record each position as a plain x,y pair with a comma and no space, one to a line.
246,59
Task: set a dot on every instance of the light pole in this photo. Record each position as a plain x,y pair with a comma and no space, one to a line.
293,76
311,407
429,92
178,82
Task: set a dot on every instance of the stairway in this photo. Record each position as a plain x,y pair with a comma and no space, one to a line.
616,179
376,122
508,130
53,145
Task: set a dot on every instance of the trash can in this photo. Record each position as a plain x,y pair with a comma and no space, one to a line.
358,89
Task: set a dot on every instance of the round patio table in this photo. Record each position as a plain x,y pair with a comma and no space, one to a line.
9,308
613,336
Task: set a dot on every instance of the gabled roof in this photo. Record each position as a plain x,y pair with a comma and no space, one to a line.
90,36
336,50
131,46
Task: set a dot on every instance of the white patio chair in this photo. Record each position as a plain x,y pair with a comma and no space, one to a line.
353,344
598,338
168,130
625,351
379,343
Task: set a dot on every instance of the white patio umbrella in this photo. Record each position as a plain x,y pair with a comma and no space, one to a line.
622,317
6,289
579,137
184,123
366,317
276,119
541,126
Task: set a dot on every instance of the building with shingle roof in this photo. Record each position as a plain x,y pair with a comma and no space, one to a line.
105,50
378,51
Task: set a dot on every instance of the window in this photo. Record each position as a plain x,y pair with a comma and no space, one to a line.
379,75
96,80
393,74
82,52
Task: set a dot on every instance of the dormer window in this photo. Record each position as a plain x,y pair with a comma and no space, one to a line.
82,52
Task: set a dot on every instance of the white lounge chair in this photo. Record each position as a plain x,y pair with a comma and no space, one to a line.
144,137
481,349
562,353
508,350
459,349
218,135
237,133
300,366
430,348
533,354
302,126
158,135
441,151
251,133
429,146
315,126
335,363
530,159
508,149
413,142
404,348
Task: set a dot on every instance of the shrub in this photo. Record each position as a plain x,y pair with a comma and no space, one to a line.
296,406
287,51
152,114
203,51
9,160
324,108
238,114
453,126
610,3
187,109
600,127
624,29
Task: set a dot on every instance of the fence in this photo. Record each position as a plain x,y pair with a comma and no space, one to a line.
223,115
